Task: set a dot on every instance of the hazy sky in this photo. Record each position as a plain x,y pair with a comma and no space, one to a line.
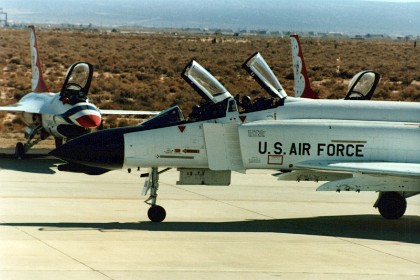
350,16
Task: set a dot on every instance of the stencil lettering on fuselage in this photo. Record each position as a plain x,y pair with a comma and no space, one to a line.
319,149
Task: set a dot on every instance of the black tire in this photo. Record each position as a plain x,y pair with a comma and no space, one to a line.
392,205
58,142
156,214
19,150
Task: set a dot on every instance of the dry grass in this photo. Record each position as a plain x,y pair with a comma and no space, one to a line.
142,71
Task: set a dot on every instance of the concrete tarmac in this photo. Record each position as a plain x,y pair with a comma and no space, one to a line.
57,225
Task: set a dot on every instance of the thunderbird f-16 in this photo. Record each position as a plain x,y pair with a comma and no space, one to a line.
356,145
302,87
64,115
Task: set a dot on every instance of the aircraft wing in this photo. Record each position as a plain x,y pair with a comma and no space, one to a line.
127,112
34,103
35,108
368,176
13,108
20,108
379,168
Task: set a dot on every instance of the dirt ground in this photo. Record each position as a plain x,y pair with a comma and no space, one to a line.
9,140
139,71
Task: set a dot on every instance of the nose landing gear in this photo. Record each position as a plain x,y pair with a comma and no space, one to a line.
156,213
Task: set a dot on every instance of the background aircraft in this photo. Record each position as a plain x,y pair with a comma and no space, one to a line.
356,146
361,86
64,115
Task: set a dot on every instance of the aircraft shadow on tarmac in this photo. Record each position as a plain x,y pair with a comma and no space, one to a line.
32,163
371,227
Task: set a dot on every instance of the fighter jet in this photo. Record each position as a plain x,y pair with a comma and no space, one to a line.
356,146
64,115
302,85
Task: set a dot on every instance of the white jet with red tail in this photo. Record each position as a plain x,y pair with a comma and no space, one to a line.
361,86
64,115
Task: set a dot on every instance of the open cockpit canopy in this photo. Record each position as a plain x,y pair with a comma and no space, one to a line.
77,83
363,85
261,72
204,83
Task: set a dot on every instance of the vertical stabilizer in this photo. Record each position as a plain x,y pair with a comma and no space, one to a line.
38,83
302,85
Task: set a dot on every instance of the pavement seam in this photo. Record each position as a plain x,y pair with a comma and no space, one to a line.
63,253
377,250
220,201
291,223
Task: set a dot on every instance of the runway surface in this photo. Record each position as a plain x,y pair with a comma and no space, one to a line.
56,225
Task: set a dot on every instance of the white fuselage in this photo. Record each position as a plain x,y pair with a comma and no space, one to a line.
302,108
277,138
47,109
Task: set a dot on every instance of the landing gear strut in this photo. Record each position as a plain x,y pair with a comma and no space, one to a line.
156,213
34,134
391,205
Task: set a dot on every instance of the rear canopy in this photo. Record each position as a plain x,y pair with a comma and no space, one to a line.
261,72
204,83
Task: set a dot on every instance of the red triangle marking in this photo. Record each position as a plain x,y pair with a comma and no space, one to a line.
181,128
243,118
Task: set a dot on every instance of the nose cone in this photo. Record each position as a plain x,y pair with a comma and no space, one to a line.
89,121
84,115
104,149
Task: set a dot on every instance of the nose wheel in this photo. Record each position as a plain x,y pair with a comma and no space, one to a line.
155,213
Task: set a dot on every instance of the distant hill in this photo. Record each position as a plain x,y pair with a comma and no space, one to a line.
348,16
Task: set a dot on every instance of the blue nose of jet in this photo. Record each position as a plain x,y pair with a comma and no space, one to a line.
104,149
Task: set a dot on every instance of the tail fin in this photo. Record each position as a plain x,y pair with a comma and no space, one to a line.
302,85
38,83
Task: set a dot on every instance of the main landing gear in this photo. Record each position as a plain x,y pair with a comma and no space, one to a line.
391,205
156,213
33,134
20,150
